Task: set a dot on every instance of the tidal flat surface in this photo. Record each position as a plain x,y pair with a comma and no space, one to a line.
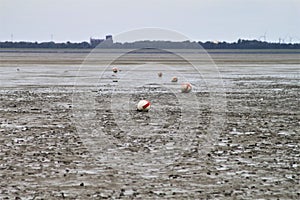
69,128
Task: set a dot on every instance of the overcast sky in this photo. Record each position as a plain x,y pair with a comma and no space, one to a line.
78,20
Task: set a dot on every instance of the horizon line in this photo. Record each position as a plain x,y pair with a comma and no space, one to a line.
194,41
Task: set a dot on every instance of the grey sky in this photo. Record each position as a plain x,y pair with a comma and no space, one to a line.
77,20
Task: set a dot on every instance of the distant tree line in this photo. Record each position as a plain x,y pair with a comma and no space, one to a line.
249,44
45,45
240,44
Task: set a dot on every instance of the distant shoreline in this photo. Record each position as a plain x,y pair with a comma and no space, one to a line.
210,51
109,44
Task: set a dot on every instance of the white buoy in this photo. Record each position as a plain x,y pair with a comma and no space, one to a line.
143,105
186,87
174,79
159,74
115,70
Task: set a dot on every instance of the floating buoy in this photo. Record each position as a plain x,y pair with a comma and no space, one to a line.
174,79
143,105
115,70
159,74
186,87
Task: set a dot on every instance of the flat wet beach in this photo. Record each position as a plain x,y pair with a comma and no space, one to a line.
69,126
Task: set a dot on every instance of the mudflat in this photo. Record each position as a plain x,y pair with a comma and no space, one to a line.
69,128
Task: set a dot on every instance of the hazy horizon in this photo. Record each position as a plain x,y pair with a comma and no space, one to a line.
198,20
88,40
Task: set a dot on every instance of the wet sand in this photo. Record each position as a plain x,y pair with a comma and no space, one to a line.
65,133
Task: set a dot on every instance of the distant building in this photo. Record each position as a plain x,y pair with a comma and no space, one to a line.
107,42
108,37
95,42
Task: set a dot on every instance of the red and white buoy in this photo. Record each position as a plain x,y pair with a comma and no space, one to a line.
115,69
186,87
143,105
174,79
